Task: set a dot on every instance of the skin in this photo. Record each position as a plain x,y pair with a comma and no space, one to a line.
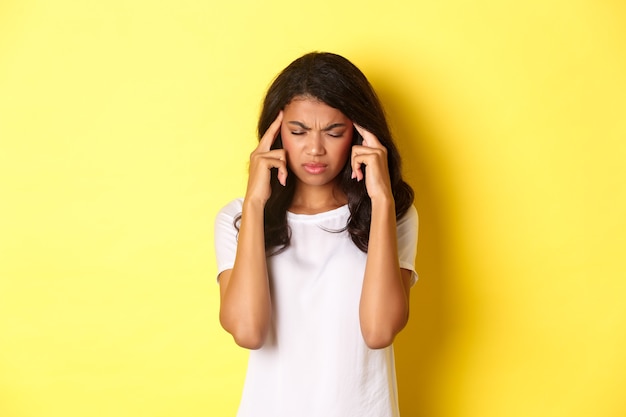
316,144
317,140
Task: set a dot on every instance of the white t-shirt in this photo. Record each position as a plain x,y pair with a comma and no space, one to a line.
315,362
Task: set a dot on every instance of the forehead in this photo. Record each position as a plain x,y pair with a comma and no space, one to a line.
304,107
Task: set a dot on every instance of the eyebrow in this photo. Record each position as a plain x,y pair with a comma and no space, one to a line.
326,129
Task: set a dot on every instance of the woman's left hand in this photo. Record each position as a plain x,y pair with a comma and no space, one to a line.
373,155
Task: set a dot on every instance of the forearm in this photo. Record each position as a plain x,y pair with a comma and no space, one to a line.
384,306
245,308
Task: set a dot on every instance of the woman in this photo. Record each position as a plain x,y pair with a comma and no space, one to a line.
316,261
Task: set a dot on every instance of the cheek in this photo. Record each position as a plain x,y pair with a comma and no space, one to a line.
287,142
290,149
345,148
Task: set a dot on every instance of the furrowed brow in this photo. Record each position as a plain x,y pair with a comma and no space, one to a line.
300,125
333,126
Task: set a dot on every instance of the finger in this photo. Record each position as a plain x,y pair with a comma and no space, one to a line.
279,161
369,139
276,158
366,156
282,166
265,144
282,176
357,163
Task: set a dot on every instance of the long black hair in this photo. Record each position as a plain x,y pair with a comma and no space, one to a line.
338,83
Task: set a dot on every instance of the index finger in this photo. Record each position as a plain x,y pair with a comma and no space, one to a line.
265,144
369,139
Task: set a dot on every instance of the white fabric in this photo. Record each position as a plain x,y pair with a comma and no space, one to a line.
315,362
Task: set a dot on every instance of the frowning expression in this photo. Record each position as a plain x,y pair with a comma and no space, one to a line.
317,139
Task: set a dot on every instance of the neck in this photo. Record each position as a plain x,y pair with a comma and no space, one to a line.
317,199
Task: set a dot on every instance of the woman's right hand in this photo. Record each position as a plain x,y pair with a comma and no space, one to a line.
262,160
245,306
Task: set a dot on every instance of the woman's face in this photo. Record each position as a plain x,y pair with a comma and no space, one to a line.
317,139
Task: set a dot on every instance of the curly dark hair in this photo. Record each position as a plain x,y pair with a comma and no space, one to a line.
337,82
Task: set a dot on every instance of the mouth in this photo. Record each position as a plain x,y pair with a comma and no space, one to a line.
314,167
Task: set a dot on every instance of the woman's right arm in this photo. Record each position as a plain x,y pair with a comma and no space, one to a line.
245,306
245,303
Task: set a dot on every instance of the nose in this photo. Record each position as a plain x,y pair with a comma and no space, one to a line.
315,145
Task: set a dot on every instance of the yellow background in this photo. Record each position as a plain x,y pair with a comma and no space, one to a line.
126,125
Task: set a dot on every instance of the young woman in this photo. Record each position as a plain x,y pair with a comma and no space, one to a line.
316,261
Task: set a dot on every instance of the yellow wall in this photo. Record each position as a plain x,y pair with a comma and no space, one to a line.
125,125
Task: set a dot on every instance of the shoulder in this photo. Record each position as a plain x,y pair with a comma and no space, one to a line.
224,221
410,217
232,209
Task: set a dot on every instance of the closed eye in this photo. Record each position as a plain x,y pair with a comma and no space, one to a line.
335,130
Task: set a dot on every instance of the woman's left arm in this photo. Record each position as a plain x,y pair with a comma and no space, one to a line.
384,306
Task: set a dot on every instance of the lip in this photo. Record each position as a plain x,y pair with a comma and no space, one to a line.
314,167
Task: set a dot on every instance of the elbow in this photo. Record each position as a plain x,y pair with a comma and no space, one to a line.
381,335
378,339
250,336
249,340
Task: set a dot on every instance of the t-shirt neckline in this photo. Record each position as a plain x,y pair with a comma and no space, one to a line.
318,216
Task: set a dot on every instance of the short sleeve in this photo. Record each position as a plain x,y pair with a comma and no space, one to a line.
226,235
407,227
